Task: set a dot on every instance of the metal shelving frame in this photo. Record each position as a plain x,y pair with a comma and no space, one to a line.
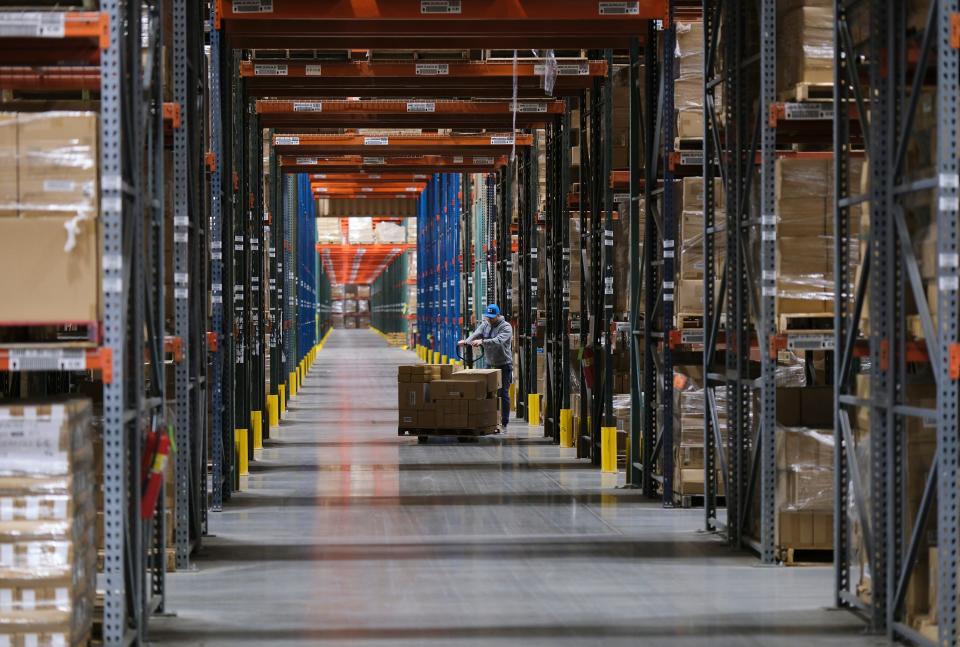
732,141
525,328
889,275
439,324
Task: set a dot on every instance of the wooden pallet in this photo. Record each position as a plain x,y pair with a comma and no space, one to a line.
814,322
685,321
462,434
805,556
688,144
694,500
54,335
808,91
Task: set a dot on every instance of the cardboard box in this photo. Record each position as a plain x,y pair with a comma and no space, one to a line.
427,419
481,420
811,530
483,406
9,199
408,418
488,376
413,395
58,156
453,421
64,284
452,407
456,389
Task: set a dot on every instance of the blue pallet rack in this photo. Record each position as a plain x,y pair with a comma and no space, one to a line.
438,276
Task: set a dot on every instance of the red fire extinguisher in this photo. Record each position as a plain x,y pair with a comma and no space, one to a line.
148,504
586,360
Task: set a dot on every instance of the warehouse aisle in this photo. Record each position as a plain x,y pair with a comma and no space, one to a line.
348,534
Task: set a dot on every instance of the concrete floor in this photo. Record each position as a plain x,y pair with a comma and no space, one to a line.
349,534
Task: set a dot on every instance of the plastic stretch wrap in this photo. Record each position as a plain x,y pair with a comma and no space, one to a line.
689,406
804,42
804,469
336,307
388,232
621,411
360,231
328,231
47,523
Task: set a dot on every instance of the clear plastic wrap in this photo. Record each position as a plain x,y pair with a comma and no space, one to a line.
804,43
47,526
389,232
361,231
328,231
804,469
689,406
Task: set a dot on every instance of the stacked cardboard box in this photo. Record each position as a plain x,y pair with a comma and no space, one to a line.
689,405
804,43
804,203
690,264
49,227
804,490
688,84
413,390
47,553
435,396
467,399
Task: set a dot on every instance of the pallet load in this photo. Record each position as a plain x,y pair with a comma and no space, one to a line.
805,49
47,550
805,254
688,84
436,399
49,226
689,406
804,489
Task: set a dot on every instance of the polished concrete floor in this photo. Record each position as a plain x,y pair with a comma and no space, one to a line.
348,534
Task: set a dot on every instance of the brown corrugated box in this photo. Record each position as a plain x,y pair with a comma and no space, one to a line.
454,389
64,284
489,376
8,164
58,159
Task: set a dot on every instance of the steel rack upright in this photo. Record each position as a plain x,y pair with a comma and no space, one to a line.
884,63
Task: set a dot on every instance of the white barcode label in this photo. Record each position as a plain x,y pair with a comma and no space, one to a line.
458,160
308,106
421,106
305,161
502,140
531,107
411,189
181,237
181,221
433,69
564,69
269,69
252,6
313,70
439,6
181,293
282,140
376,141
321,189
800,111
59,186
483,160
619,8
374,161
181,278
34,24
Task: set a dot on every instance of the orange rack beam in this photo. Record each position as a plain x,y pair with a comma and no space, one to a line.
52,37
288,78
376,163
374,145
403,113
358,263
437,24
59,359
333,178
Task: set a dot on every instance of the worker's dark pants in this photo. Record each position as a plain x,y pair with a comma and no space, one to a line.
506,378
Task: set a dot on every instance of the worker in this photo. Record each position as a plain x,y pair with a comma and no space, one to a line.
495,334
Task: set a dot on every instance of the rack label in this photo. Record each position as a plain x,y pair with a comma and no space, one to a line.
308,106
33,24
269,69
374,160
483,160
252,6
286,140
531,107
421,106
502,140
433,69
564,69
313,70
810,342
439,6
306,161
48,360
800,111
458,160
376,141
619,8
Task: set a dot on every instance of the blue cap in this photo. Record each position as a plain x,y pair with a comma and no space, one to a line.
492,311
